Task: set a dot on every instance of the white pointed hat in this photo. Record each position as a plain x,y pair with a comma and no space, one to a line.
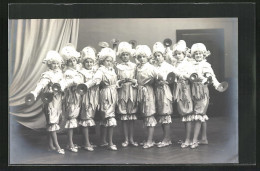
106,52
69,51
124,47
158,47
143,50
52,56
88,53
199,47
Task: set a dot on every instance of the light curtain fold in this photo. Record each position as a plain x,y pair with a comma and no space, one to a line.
29,42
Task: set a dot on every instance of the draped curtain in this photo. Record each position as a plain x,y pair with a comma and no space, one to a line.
28,43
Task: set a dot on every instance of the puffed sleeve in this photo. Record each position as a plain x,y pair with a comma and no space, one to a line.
44,81
208,69
98,76
215,82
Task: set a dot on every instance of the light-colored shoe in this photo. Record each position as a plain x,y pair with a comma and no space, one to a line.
194,145
73,149
135,144
125,144
90,148
75,146
185,145
146,145
164,144
61,151
112,147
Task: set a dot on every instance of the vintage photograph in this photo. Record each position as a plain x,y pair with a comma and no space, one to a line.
135,91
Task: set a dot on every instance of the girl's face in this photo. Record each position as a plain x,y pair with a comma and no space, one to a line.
179,55
198,56
54,65
88,63
72,62
125,56
142,59
159,57
108,62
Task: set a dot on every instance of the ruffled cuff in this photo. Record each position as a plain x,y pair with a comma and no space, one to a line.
150,121
165,119
127,117
87,123
195,117
53,127
72,123
109,122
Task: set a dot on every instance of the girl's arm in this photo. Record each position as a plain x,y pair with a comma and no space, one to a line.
44,81
215,82
97,78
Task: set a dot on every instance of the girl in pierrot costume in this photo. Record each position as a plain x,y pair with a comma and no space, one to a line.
145,75
90,98
200,91
72,99
127,92
163,94
52,109
182,90
107,79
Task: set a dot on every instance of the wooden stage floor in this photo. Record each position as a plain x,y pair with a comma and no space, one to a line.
30,147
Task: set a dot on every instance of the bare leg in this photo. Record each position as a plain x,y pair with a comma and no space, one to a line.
150,134
188,132
204,139
131,131
163,128
196,131
166,132
70,136
86,136
110,135
125,129
55,139
103,134
51,146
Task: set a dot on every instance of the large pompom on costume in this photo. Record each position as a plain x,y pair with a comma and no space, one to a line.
199,47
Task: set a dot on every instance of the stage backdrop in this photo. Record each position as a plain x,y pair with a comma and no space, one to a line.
29,42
